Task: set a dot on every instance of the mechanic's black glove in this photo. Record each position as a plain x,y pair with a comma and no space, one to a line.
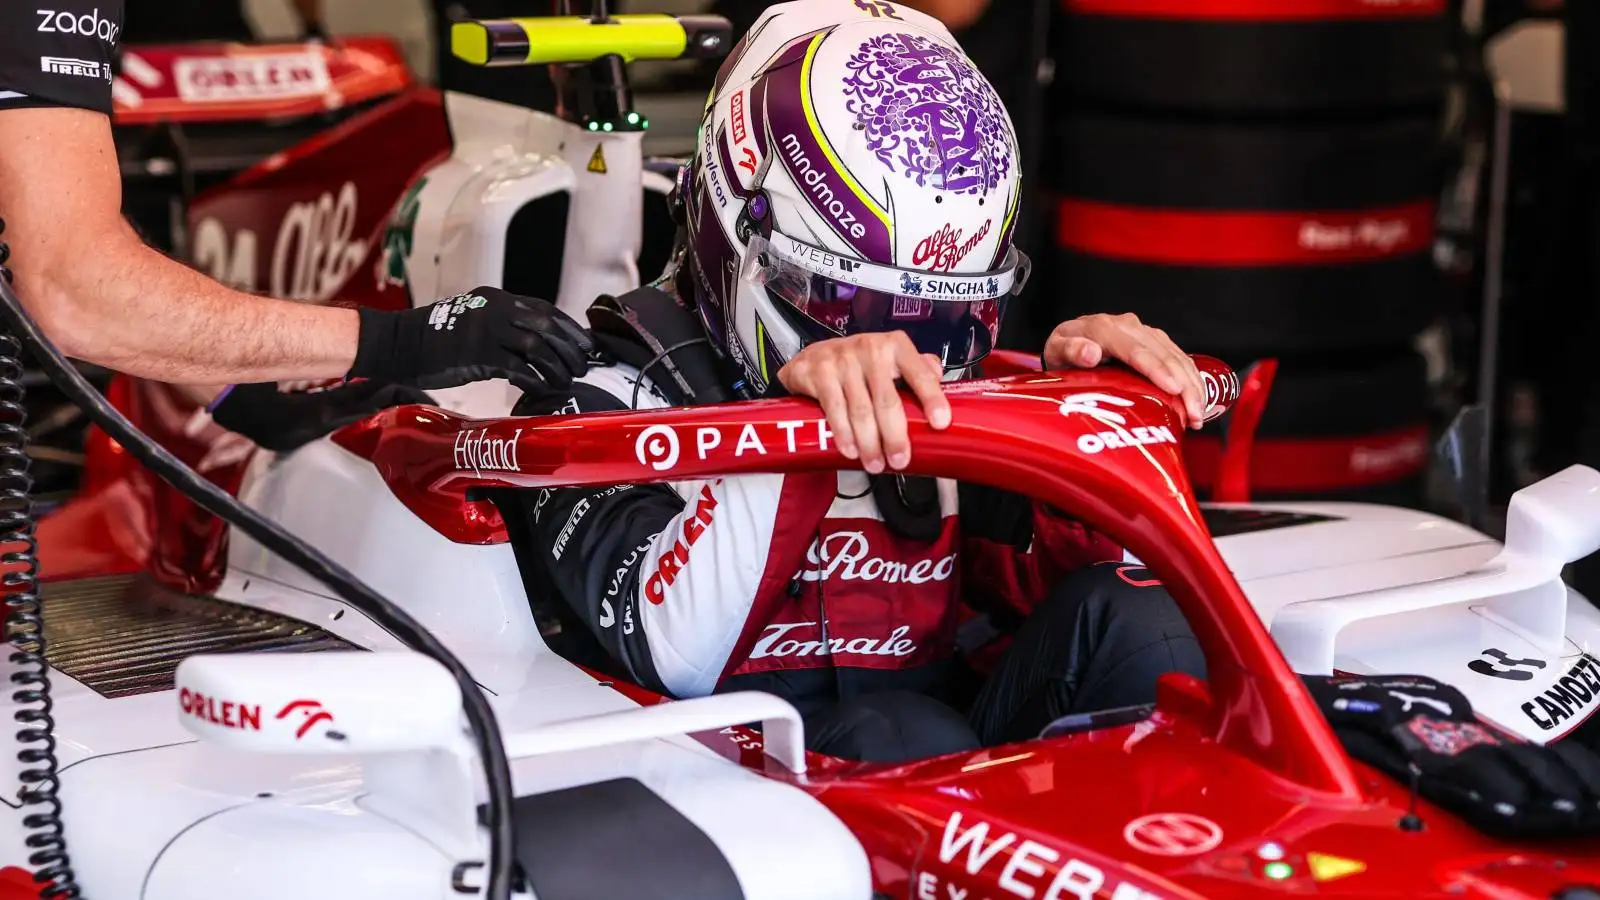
484,333
1410,726
282,421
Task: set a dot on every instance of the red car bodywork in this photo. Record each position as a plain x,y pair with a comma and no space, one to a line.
1234,787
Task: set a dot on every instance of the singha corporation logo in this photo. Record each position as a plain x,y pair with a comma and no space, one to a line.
910,284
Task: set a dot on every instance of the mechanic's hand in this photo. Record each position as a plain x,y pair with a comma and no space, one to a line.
482,334
1088,341
1412,727
283,420
854,380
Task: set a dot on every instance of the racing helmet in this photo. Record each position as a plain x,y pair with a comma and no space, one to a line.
854,173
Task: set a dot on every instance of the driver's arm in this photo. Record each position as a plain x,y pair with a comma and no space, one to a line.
1014,549
668,577
103,296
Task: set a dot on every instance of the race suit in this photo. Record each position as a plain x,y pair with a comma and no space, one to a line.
794,585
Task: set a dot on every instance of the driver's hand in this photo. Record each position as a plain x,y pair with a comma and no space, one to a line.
1088,341
854,380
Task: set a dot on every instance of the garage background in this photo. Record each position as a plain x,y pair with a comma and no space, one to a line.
1389,389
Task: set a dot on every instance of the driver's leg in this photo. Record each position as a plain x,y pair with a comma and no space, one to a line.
1098,641
888,727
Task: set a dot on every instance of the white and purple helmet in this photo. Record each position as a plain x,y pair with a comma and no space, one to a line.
855,173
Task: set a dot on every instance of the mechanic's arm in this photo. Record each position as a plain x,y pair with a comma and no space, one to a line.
955,14
667,577
103,296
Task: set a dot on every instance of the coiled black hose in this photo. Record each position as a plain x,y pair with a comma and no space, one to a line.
47,839
30,678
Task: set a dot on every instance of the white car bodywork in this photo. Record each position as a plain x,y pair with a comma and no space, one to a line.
1374,589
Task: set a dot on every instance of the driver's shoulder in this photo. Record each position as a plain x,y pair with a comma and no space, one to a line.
612,386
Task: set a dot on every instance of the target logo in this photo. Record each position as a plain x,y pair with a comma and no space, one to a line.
657,447
1173,834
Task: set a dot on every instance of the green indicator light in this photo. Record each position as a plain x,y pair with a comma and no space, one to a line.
633,118
606,127
593,125
1278,871
644,123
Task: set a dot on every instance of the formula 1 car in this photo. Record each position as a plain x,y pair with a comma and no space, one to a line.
334,772
292,765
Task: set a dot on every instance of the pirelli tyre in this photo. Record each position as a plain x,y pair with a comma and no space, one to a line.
1254,56
1248,238
1358,428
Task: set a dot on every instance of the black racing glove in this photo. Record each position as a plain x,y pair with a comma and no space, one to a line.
484,333
281,421
1412,727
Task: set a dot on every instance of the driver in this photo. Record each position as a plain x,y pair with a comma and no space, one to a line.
847,225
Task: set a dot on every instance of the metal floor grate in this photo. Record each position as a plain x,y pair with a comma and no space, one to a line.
124,635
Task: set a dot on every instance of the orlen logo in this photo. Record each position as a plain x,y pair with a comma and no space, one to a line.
91,25
673,560
736,113
311,712
1118,436
221,713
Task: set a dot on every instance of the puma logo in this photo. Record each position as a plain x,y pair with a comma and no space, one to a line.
1442,707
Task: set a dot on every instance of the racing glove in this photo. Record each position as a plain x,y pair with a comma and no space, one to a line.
282,421
484,333
1417,729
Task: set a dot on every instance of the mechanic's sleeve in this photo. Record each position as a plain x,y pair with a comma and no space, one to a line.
1013,549
58,53
669,577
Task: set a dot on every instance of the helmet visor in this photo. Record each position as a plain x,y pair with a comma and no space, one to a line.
955,317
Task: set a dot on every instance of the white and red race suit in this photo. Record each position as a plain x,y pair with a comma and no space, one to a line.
787,583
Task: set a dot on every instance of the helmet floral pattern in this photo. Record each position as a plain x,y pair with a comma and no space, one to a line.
928,114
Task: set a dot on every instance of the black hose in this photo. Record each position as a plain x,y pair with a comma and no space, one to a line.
40,771
480,716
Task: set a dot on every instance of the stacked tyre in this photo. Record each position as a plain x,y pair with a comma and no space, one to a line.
1259,179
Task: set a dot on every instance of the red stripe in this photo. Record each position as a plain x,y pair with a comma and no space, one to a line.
1191,238
1257,10
1318,464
